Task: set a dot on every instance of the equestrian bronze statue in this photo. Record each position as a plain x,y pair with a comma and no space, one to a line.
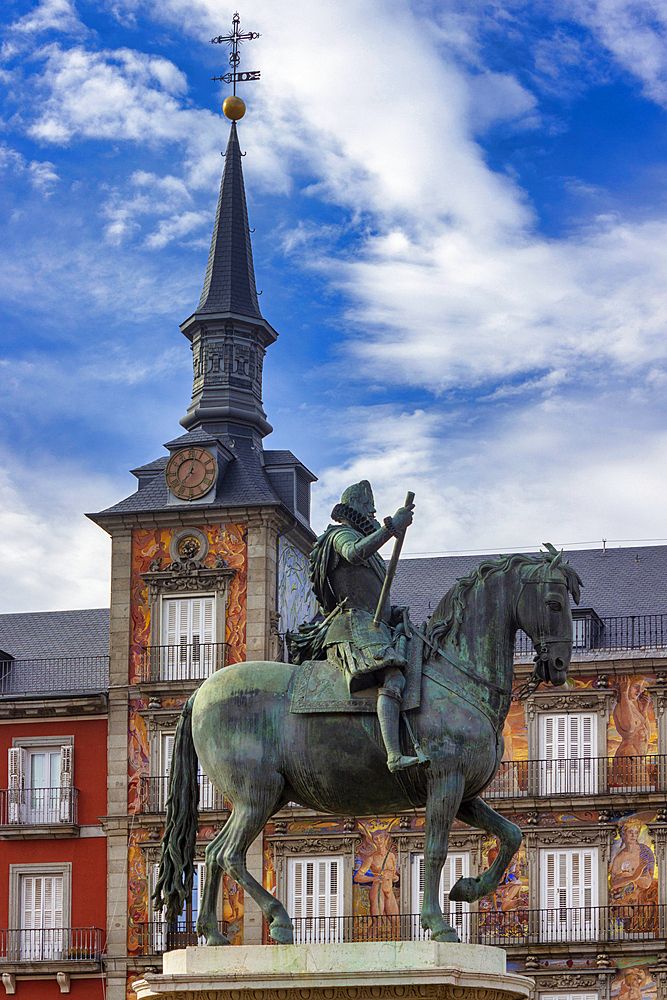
263,738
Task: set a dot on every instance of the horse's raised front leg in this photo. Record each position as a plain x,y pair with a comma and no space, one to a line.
442,803
478,813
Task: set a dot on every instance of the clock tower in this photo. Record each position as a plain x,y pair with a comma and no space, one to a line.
200,554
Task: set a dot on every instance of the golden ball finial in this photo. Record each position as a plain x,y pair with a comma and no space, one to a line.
234,108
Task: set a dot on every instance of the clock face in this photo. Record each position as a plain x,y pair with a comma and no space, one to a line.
190,473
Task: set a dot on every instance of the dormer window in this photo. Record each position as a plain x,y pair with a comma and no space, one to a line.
587,628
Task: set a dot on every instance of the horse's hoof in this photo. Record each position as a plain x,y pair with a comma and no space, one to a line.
215,938
448,934
466,890
281,934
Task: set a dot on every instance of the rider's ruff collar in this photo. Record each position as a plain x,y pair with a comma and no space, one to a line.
343,512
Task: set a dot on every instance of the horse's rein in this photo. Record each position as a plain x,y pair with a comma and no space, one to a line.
541,647
457,666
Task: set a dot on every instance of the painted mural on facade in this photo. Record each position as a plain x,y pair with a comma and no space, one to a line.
506,910
376,889
633,877
634,983
296,601
632,738
228,542
148,546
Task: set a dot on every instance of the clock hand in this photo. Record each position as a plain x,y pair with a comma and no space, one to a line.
189,472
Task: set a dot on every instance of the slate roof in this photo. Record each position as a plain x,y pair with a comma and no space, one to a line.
620,581
244,483
229,285
36,634
55,652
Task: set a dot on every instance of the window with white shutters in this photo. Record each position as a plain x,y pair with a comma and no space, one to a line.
166,751
40,784
456,866
569,894
569,996
567,750
207,799
188,649
316,899
41,917
166,937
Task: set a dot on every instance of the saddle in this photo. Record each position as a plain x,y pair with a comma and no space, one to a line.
320,686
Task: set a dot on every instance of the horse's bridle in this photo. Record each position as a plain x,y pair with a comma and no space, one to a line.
538,575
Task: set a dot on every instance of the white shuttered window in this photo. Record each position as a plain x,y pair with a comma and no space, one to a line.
40,785
41,935
188,638
183,933
456,866
569,996
316,898
569,894
567,750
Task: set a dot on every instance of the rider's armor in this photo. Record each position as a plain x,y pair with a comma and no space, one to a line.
347,576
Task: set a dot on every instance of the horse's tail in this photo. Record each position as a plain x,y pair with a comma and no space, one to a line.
176,872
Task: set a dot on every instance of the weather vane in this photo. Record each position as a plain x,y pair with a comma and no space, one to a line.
234,107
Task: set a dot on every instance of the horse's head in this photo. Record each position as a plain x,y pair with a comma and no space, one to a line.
543,612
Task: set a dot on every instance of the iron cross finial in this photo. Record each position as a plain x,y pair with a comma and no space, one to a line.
233,40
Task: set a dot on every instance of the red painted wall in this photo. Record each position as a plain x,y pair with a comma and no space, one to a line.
90,758
48,989
87,855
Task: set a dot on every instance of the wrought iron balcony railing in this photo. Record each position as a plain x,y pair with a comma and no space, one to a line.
54,675
154,791
38,806
618,632
185,662
579,776
519,927
51,944
156,937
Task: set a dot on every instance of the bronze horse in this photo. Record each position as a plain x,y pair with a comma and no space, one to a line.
260,756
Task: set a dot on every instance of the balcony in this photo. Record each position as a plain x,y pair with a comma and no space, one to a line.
516,928
153,794
38,812
77,949
621,632
156,937
69,675
185,662
578,776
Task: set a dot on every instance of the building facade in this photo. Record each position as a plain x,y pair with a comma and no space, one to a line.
53,735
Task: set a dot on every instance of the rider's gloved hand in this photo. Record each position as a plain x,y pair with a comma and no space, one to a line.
402,519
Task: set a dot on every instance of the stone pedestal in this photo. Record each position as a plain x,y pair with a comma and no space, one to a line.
392,970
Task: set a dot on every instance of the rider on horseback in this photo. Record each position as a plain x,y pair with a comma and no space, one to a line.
347,576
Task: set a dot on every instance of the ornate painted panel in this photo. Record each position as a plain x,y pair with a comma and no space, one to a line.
634,983
296,602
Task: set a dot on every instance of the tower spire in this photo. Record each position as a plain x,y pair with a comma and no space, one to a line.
228,333
229,285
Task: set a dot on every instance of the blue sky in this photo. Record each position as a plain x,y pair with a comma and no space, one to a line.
460,234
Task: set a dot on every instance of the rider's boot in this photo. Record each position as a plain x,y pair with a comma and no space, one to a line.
389,708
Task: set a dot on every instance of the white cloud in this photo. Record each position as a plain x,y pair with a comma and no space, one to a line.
40,174
635,34
50,15
121,94
52,556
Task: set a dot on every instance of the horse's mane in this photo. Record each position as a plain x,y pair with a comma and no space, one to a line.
448,615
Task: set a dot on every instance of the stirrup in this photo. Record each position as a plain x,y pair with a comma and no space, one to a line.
398,761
